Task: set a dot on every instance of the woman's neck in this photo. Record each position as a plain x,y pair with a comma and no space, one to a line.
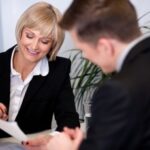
22,66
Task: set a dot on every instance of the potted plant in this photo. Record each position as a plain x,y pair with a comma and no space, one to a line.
85,76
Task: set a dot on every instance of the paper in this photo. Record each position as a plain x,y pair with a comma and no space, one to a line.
13,129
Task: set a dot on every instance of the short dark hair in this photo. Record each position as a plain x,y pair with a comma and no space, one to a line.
93,19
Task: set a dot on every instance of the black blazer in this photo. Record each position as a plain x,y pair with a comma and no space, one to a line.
121,107
44,96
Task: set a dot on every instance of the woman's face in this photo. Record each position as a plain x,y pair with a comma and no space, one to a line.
34,46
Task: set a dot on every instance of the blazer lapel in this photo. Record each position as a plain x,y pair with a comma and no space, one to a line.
33,88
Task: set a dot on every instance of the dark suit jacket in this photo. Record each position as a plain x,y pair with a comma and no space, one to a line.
44,96
121,107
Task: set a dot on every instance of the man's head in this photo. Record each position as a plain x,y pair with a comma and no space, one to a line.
101,26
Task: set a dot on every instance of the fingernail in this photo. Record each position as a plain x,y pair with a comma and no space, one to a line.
24,143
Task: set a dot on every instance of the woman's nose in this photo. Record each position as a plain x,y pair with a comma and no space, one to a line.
35,44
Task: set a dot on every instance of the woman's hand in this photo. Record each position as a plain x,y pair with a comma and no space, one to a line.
68,140
3,112
37,143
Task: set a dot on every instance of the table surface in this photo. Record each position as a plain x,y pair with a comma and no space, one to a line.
13,140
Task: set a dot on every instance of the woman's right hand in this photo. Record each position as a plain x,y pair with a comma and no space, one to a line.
3,112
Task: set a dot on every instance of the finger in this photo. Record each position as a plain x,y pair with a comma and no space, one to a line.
4,117
70,132
3,108
2,114
2,111
40,140
79,137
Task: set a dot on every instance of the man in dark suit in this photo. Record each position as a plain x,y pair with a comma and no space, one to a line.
107,33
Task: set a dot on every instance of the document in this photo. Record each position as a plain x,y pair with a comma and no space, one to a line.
13,129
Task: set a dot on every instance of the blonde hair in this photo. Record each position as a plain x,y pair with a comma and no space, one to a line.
43,17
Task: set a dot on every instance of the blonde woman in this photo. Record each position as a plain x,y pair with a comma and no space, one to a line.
34,82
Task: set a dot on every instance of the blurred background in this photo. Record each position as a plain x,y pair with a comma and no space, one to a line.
10,10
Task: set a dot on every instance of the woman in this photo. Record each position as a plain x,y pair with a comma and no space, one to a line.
34,82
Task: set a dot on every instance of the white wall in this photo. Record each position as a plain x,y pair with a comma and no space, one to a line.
0,30
10,10
143,11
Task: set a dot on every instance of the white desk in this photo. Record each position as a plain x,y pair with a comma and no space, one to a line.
13,140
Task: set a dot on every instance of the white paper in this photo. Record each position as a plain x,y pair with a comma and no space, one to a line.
13,129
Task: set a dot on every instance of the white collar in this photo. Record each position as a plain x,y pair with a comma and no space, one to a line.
41,68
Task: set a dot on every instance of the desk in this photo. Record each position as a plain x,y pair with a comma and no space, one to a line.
13,140
12,144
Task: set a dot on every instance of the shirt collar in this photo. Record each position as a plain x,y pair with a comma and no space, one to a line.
41,68
13,71
125,52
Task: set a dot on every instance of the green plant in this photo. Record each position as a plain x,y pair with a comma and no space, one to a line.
85,76
145,26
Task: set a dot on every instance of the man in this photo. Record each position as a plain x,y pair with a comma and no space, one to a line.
107,33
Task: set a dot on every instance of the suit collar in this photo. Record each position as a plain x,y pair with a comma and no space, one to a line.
136,48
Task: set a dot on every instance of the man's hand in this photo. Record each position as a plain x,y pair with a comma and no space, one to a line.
68,140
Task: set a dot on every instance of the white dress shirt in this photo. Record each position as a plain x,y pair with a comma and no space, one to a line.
18,87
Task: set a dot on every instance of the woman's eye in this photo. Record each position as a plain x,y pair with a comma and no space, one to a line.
45,42
29,36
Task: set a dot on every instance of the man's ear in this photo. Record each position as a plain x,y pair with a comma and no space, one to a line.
105,47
